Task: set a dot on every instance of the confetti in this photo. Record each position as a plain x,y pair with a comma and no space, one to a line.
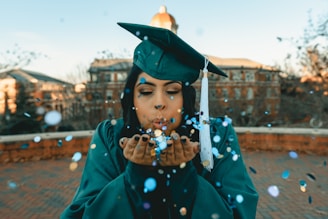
216,138
146,205
150,184
113,121
183,211
37,139
73,166
27,115
293,154
311,176
303,185
24,146
142,80
239,198
69,138
52,118
215,216
77,156
273,190
252,170
12,184
285,174
235,157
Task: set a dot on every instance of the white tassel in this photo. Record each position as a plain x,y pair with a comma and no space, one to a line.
204,132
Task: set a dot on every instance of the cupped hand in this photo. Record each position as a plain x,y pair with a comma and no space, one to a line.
140,149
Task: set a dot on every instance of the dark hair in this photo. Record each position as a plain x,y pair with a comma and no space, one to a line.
131,122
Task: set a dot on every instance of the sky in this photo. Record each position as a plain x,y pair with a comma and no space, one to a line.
71,33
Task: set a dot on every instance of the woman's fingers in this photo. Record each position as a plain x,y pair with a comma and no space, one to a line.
141,149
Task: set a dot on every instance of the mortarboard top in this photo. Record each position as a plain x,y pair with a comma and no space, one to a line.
163,55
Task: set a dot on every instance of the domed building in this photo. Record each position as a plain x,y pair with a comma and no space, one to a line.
164,20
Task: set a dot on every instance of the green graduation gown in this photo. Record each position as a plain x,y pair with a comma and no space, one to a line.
112,187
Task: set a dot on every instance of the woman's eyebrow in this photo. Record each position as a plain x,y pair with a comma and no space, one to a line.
172,82
146,82
153,84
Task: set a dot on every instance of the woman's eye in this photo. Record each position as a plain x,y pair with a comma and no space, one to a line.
172,92
145,93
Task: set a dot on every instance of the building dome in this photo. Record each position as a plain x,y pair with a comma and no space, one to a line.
164,20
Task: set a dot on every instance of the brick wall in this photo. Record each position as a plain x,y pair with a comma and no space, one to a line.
20,148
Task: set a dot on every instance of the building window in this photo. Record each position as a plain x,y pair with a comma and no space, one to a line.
250,76
268,77
236,76
121,76
237,93
225,93
109,94
268,92
107,77
250,94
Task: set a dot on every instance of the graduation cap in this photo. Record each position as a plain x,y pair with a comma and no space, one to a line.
164,55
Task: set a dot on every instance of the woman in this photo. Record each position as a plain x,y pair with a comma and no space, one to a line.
148,164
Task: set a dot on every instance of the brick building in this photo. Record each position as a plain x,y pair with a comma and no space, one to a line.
26,96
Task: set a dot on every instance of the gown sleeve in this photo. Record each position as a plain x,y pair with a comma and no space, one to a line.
230,182
101,192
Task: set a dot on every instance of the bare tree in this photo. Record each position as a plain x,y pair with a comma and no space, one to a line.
311,49
79,75
304,100
17,57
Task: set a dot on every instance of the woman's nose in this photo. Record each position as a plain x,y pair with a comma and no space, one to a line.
159,106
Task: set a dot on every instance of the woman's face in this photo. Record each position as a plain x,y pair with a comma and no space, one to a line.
158,103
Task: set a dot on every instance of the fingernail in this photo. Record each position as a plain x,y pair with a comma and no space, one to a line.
136,138
144,139
175,137
183,140
169,144
151,144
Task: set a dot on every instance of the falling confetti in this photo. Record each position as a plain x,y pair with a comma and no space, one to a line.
12,184
252,170
215,152
52,118
273,190
293,154
311,176
150,184
303,185
146,205
285,174
24,146
215,216
183,211
142,80
73,166
27,115
69,138
216,138
113,121
77,156
37,139
239,198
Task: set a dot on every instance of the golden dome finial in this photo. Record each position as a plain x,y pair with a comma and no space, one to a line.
164,20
